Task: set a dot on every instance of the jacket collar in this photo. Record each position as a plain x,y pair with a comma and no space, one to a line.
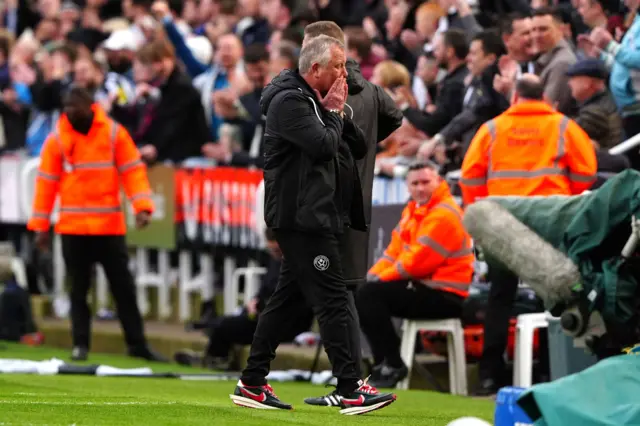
439,195
547,57
100,118
531,108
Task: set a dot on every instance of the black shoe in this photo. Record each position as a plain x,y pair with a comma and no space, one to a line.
488,387
188,358
385,376
79,353
330,400
146,353
260,397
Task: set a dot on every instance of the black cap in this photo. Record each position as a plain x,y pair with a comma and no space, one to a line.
591,67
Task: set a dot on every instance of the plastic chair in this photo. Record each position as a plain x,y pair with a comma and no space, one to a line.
455,347
523,356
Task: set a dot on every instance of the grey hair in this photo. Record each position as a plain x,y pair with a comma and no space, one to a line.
317,51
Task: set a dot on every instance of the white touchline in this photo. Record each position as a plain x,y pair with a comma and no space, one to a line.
8,401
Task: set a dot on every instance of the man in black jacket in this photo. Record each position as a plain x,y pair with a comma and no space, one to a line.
311,194
376,114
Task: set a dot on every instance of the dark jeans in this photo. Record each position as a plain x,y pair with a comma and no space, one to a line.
80,253
504,286
378,301
311,271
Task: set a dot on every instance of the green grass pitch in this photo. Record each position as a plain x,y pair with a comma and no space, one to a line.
83,400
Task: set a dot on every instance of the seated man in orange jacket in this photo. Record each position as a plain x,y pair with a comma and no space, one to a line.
425,271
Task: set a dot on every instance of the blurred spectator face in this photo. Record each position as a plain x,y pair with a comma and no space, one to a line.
583,88
427,70
119,61
477,59
590,11
62,60
395,22
257,73
249,7
519,44
190,12
632,4
441,52
274,12
76,108
84,73
142,73
546,33
278,63
127,9
539,4
207,9
422,183
47,30
49,8
446,4
229,51
274,249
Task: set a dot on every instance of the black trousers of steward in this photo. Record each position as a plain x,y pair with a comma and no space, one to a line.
80,253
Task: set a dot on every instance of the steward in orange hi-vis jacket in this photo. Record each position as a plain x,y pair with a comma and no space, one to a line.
83,161
424,273
529,150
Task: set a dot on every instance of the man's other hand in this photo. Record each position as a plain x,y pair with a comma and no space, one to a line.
148,153
216,151
143,219
252,307
42,241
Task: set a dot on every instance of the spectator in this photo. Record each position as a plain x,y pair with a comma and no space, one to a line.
481,102
450,50
283,56
459,16
597,114
425,79
171,121
244,112
359,49
556,56
594,14
424,273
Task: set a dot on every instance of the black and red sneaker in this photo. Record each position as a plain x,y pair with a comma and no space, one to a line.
260,397
362,400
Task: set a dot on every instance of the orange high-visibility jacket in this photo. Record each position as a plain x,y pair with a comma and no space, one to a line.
430,245
86,171
528,150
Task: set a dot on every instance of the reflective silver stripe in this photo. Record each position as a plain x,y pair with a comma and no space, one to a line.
40,215
493,133
581,178
114,209
403,272
474,181
561,141
139,196
48,176
450,208
406,246
94,165
441,285
462,252
434,245
129,165
385,256
519,173
397,228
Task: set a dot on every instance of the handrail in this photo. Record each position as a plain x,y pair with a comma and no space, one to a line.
625,146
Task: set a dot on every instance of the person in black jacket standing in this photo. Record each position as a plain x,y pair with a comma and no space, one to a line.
376,114
311,194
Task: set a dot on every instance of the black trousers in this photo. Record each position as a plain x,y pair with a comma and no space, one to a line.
80,253
504,286
239,330
378,301
354,252
311,271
